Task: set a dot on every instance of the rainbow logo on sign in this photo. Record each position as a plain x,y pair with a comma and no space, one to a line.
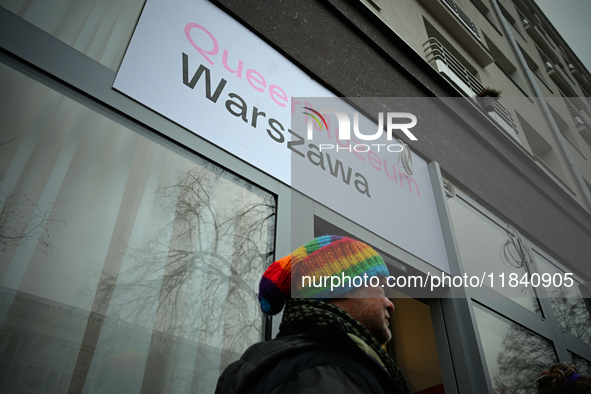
315,118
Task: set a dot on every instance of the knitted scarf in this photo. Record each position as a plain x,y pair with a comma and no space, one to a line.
318,313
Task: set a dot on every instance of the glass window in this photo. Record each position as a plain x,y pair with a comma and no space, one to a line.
126,265
101,29
514,355
567,303
583,366
485,247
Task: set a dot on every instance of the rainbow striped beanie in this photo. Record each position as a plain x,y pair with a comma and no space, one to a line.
325,256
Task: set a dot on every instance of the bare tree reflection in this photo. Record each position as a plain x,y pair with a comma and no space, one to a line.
24,223
13,229
21,220
196,279
572,314
525,354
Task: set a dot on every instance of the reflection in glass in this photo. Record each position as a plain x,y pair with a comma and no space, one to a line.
485,248
101,29
514,355
125,265
567,303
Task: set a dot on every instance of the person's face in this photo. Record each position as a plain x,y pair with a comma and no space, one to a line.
372,309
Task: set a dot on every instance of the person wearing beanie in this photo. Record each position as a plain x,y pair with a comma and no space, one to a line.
334,325
563,378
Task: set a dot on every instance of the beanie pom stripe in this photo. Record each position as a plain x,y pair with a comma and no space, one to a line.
271,297
275,286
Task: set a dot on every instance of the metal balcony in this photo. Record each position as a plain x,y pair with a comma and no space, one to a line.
560,79
459,25
536,33
581,123
458,75
463,17
447,64
580,79
579,119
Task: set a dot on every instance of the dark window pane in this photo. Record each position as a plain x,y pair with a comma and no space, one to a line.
125,264
514,355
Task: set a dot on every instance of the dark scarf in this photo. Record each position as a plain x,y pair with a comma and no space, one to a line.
308,311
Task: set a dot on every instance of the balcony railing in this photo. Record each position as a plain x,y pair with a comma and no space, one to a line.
462,16
538,35
522,17
583,82
506,120
578,117
460,27
580,122
446,63
556,73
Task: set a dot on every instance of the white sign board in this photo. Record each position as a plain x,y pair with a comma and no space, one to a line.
197,66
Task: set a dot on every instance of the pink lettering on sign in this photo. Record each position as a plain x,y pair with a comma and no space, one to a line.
238,70
374,160
256,80
204,53
278,95
255,77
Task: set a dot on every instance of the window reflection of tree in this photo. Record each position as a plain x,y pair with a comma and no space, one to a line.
525,354
219,242
572,314
582,364
15,230
21,220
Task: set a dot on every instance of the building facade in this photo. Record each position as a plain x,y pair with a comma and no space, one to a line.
135,224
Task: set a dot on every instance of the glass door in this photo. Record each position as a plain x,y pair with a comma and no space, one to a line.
414,340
